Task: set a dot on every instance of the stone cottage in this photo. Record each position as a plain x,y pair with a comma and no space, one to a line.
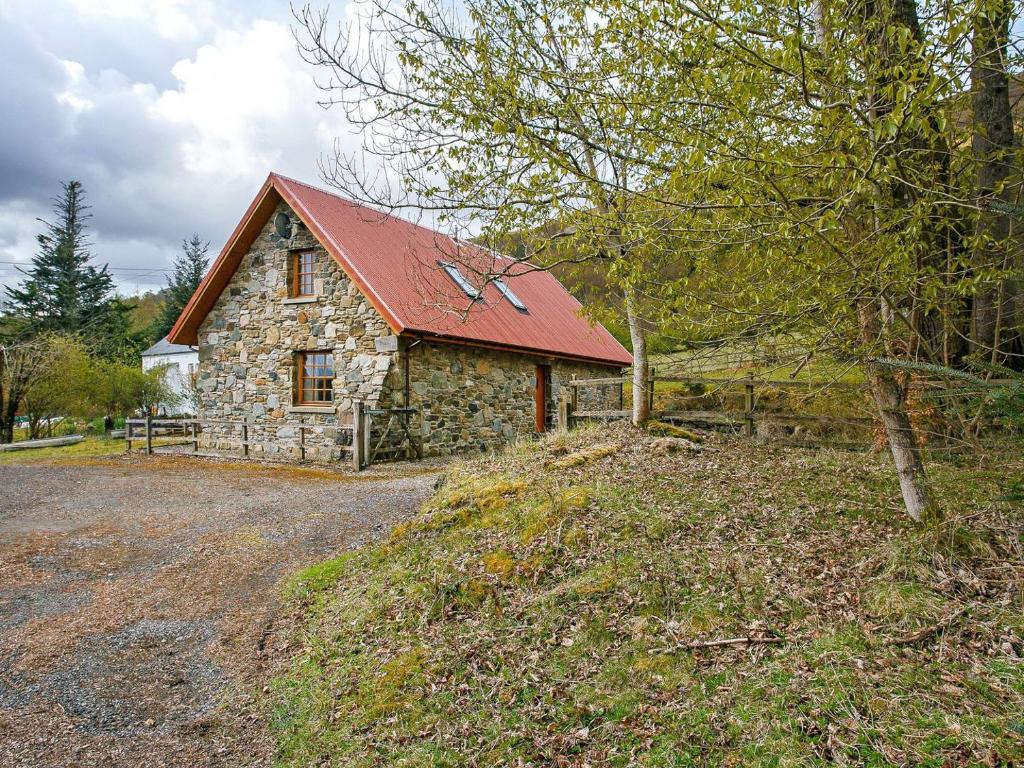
316,302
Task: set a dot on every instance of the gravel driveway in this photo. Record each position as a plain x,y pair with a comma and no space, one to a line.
136,595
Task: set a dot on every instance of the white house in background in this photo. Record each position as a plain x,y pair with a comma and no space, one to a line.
181,361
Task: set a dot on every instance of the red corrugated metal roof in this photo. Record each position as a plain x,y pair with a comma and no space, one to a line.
396,264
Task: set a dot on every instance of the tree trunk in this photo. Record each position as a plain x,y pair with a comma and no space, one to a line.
891,401
7,422
993,147
641,366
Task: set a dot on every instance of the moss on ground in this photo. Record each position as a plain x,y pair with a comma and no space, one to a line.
673,430
537,614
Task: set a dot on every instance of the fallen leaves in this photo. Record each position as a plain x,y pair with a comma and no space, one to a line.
716,606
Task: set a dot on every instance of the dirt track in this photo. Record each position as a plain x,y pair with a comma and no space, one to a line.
135,596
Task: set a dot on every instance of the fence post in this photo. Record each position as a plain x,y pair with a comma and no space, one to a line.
128,435
563,411
574,392
302,442
748,406
367,437
149,434
357,435
245,439
195,436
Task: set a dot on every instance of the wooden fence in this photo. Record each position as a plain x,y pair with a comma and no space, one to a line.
744,419
361,449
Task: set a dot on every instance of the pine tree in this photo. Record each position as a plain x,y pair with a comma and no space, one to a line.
189,269
63,292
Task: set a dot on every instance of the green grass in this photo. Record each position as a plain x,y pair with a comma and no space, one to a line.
90,447
539,611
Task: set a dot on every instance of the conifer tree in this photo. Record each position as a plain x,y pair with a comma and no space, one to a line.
189,268
64,292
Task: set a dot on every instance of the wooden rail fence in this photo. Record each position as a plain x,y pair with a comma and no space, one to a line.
747,418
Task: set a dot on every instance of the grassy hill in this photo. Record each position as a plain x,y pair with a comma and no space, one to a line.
582,601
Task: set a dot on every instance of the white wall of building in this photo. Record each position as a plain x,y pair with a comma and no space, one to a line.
181,366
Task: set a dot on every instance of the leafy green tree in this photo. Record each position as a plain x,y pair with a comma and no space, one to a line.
997,306
189,268
118,388
61,388
843,137
23,363
64,292
501,118
738,172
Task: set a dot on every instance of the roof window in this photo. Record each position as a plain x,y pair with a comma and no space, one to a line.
460,280
508,294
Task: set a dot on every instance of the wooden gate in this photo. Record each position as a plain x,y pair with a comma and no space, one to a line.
383,434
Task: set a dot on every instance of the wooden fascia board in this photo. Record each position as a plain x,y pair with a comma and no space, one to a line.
186,329
427,336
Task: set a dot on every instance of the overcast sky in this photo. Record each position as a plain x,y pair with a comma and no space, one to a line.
170,112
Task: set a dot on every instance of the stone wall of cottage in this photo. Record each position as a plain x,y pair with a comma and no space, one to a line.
469,399
474,399
249,340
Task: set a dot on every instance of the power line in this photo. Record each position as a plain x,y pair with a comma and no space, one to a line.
149,270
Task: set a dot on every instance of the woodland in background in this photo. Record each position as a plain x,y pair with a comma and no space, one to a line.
843,174
69,345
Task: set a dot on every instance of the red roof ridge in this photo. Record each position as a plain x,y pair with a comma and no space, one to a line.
384,214
378,249
367,207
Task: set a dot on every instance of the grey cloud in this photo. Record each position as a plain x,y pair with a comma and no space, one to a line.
34,125
130,158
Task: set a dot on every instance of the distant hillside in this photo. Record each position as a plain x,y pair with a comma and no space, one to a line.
596,600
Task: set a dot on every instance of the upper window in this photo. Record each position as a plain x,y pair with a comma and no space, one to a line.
303,269
460,280
507,293
316,378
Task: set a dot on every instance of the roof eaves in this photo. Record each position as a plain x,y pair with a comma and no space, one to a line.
536,351
186,332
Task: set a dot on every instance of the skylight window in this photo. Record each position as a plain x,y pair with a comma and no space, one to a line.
508,294
460,280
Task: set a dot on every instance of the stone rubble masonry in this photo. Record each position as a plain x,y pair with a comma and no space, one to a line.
469,398
472,399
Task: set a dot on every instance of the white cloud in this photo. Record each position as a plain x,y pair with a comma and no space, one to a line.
245,100
18,229
172,19
160,161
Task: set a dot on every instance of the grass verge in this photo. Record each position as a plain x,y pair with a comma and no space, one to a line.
89,447
548,611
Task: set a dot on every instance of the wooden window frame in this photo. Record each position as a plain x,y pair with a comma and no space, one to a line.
302,389
301,277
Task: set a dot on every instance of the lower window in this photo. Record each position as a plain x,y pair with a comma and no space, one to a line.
316,378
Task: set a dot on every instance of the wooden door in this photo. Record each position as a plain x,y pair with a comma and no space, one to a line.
540,397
